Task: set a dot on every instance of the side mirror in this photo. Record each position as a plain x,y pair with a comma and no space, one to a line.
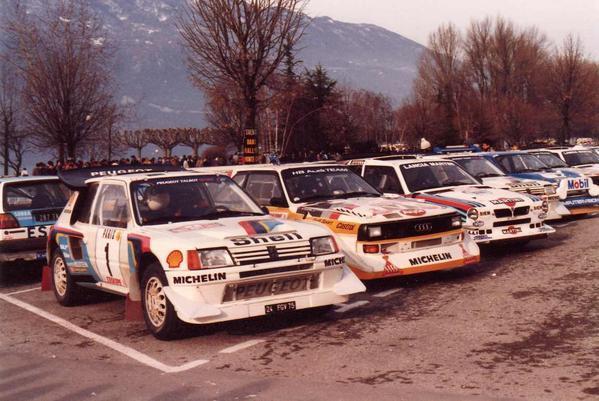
265,209
278,202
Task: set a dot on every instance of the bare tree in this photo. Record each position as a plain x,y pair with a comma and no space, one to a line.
166,139
137,139
239,43
9,110
65,60
573,87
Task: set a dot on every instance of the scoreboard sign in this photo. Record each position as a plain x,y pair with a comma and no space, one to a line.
250,147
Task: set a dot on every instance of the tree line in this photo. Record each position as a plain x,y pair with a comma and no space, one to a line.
495,82
502,84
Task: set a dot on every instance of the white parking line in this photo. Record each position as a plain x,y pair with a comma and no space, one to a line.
23,291
123,349
348,307
386,293
240,346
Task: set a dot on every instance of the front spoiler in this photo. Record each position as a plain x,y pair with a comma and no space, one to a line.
191,311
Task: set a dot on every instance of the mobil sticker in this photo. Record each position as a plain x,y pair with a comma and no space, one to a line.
578,183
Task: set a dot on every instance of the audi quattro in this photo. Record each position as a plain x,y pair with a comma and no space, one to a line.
488,214
489,174
577,191
29,207
379,236
193,248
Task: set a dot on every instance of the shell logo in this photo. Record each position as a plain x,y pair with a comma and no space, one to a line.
413,212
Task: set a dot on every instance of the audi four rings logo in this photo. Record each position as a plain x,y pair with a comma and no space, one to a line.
423,227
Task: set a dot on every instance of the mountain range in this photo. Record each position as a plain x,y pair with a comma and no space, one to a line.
151,69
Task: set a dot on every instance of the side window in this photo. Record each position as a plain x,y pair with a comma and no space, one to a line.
240,179
112,209
356,168
84,209
265,188
383,178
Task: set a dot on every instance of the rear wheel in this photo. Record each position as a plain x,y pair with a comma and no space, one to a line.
159,313
66,291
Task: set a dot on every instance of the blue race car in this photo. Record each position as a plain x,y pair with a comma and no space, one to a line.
29,207
577,191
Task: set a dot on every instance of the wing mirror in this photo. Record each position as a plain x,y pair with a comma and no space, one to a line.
278,202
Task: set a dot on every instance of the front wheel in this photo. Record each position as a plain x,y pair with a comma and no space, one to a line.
159,313
66,291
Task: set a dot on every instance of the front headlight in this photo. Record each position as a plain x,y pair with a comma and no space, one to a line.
545,206
550,190
375,231
214,258
456,222
323,246
473,214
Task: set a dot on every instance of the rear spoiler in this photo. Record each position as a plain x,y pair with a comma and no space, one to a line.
75,179
457,149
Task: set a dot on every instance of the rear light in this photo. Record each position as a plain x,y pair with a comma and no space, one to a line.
7,220
371,249
193,260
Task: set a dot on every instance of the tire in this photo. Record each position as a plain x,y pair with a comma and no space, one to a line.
66,291
159,314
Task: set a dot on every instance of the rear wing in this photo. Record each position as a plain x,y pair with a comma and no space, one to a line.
75,179
456,149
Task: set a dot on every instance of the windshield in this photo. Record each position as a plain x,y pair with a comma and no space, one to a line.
162,201
322,183
429,175
550,159
579,158
478,166
521,163
35,195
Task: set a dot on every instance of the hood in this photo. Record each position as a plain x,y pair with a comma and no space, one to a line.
214,233
468,196
366,210
506,182
588,169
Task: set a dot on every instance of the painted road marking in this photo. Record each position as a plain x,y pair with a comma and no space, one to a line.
239,347
348,307
386,293
23,291
123,349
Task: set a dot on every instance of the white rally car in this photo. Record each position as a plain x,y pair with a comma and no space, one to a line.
489,214
28,208
489,174
192,247
380,236
583,160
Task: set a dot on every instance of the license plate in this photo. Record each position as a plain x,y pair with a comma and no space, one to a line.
279,308
266,288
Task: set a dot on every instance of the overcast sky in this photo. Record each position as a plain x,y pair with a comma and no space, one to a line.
415,19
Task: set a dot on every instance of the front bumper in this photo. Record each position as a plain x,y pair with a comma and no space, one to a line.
23,249
204,304
513,232
430,259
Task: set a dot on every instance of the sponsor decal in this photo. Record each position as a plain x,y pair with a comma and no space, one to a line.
582,183
114,281
426,164
175,181
542,216
200,278
438,257
345,226
509,202
317,171
512,230
259,226
195,227
413,212
241,241
334,262
119,172
390,268
482,237
37,232
111,233
544,229
478,223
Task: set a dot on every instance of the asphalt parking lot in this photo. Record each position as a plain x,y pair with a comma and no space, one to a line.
524,324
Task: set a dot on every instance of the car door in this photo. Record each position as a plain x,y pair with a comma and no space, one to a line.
112,216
